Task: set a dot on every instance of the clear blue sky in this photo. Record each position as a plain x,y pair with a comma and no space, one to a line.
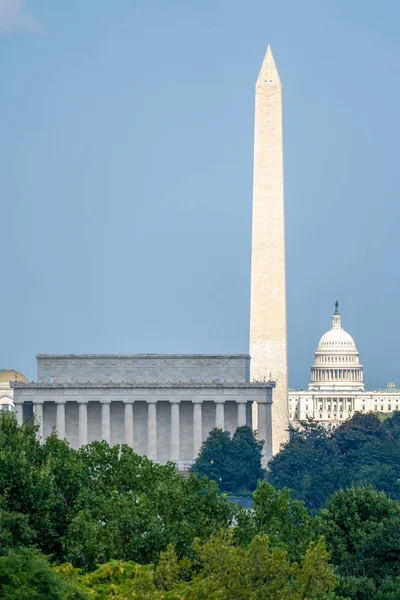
126,175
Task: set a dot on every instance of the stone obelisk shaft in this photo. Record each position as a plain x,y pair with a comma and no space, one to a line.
268,344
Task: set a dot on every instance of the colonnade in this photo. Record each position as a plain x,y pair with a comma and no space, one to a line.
336,375
333,403
263,422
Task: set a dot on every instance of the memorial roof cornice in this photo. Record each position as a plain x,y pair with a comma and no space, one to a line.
130,356
144,385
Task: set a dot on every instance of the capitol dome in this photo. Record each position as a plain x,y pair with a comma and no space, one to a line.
336,363
336,339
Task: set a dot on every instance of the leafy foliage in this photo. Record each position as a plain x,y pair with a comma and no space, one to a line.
25,574
132,509
133,529
316,463
234,462
362,532
27,481
101,502
285,521
219,570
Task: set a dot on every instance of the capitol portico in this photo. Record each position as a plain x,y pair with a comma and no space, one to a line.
163,406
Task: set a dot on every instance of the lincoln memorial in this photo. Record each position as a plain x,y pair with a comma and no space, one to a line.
163,406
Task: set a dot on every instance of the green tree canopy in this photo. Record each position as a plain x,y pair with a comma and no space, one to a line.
25,574
160,535
362,531
218,570
285,521
233,461
27,481
100,502
315,463
133,508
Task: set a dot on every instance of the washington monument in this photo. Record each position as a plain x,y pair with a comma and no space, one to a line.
268,346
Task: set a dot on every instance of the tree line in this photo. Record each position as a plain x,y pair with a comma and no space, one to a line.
103,522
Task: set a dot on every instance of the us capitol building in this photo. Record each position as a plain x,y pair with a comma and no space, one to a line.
337,389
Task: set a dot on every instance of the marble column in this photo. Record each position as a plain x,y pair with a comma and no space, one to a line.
241,413
106,421
128,424
262,426
249,415
152,430
220,414
197,428
38,414
83,423
175,432
60,419
19,412
267,450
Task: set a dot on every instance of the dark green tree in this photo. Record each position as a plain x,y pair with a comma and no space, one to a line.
15,531
362,531
25,574
315,463
285,521
234,462
27,481
134,508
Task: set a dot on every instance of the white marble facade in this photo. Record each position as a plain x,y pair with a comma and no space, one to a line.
268,335
163,406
